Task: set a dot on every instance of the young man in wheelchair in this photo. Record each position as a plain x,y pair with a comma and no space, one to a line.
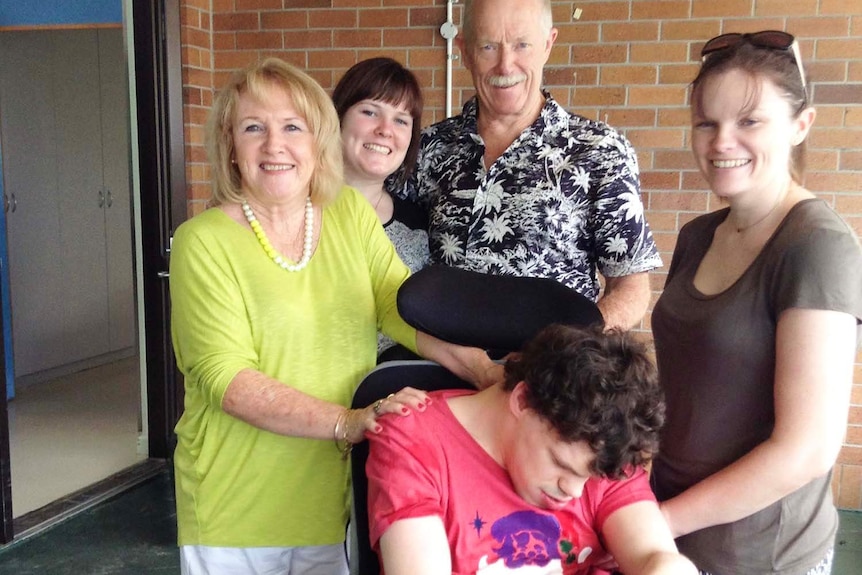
542,474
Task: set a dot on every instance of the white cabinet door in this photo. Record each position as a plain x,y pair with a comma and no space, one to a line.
64,107
79,166
116,154
30,178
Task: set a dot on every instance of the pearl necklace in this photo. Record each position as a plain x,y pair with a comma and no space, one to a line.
267,247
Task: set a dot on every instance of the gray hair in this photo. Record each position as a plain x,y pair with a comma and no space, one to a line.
547,18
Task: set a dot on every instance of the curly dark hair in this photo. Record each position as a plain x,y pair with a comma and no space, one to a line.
594,386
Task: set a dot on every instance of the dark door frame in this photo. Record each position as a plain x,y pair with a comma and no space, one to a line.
5,455
161,145
161,152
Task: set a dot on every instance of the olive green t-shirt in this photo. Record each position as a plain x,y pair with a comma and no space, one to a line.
716,360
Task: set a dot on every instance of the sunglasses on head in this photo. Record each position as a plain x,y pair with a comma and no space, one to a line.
769,39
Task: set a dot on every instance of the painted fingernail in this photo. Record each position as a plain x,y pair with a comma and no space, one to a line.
377,429
405,411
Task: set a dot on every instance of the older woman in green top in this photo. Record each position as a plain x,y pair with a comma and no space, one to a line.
277,294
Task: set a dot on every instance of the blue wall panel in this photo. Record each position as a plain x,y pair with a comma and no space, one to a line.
5,297
60,12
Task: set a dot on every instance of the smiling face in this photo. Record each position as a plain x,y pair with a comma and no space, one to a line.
376,137
743,132
505,52
274,148
545,470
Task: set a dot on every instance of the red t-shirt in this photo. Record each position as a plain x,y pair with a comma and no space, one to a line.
428,465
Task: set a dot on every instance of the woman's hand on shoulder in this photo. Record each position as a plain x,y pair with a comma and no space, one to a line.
469,363
494,373
403,402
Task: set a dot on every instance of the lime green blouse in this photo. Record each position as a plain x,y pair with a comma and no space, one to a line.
315,330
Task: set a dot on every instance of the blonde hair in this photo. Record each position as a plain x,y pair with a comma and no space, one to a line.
310,100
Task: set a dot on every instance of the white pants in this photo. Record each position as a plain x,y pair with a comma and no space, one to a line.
312,560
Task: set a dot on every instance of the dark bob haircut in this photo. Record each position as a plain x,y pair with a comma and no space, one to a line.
385,80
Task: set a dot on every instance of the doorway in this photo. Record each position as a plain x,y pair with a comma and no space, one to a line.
65,136
156,185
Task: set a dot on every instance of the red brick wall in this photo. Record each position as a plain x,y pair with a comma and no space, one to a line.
627,61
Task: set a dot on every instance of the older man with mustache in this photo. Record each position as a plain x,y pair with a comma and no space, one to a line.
516,185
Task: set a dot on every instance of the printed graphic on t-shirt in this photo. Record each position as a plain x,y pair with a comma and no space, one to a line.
529,542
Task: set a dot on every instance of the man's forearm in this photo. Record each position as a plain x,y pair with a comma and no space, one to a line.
625,300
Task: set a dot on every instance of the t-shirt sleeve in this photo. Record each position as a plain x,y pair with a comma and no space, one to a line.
822,271
403,471
691,239
624,242
617,494
386,270
211,334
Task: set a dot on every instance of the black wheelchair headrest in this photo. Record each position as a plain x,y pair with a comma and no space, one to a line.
489,311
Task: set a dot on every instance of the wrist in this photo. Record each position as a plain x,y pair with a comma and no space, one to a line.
355,425
340,434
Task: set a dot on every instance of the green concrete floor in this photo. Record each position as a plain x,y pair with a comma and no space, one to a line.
135,533
848,546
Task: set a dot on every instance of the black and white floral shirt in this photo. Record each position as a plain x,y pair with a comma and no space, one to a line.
563,201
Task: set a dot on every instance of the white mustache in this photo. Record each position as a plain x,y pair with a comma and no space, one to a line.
506,81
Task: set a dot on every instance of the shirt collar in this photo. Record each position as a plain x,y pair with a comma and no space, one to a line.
551,115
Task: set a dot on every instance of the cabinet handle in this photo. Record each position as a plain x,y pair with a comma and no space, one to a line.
101,198
14,203
110,199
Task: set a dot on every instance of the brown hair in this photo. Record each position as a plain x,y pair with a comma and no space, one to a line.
385,80
311,102
777,66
